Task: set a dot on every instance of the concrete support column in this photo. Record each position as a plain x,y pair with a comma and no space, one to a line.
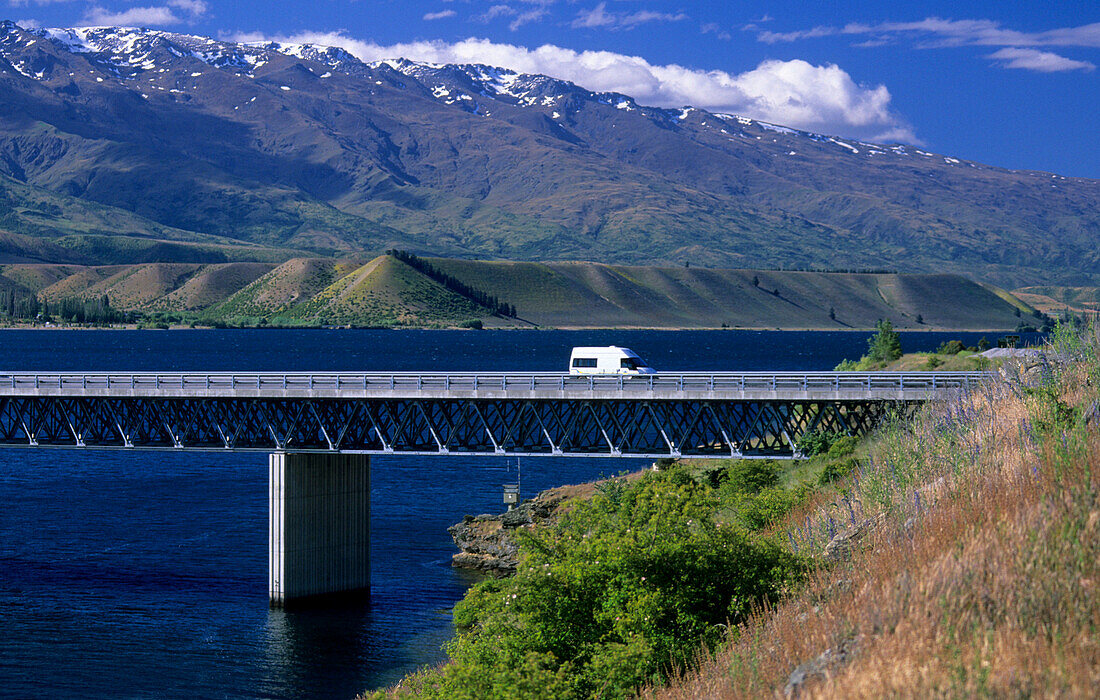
318,525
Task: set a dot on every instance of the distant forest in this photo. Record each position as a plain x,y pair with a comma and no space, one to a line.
20,305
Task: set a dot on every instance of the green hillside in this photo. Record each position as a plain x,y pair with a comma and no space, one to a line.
1059,299
386,291
596,295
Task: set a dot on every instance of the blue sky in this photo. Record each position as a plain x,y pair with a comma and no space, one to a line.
1009,84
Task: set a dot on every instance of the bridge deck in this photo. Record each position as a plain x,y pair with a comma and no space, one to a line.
901,386
712,415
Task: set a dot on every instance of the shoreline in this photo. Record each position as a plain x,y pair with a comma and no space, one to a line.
671,329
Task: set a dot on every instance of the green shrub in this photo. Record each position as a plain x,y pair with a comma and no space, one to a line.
843,446
760,510
619,592
951,347
837,470
885,344
817,442
750,475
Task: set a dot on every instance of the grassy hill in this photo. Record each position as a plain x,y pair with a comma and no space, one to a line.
386,291
312,291
595,295
1057,299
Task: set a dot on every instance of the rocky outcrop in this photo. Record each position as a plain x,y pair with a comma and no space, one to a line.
840,548
820,668
488,541
485,543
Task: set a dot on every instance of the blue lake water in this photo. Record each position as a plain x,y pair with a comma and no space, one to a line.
143,574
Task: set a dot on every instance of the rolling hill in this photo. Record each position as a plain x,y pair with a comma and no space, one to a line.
387,291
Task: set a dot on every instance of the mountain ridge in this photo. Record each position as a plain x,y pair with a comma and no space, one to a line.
307,149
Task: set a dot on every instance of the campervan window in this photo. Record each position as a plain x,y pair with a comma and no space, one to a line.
584,362
631,363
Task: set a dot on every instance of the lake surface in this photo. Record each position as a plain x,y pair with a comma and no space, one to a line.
144,574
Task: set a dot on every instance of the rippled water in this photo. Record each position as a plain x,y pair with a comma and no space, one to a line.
144,575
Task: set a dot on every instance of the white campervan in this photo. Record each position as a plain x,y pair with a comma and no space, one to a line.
607,360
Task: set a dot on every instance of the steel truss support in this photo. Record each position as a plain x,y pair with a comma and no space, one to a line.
612,427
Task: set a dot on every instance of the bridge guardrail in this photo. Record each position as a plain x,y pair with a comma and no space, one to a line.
204,384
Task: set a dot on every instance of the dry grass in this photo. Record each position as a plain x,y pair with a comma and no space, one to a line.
982,578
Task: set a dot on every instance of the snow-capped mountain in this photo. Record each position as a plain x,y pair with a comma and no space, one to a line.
308,147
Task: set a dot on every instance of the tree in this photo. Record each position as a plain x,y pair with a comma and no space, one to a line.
885,345
755,281
920,319
832,313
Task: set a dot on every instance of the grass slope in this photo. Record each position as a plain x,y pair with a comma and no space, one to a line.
596,295
973,554
38,225
384,291
312,291
1056,299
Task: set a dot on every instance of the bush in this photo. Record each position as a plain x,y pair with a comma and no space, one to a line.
618,593
817,442
760,510
885,344
951,347
837,470
843,446
750,475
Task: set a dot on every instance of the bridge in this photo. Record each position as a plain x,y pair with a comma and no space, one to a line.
321,428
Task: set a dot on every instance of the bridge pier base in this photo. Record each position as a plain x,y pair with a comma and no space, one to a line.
318,526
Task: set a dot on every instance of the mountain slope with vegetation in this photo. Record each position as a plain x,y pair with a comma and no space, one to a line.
972,547
121,145
404,290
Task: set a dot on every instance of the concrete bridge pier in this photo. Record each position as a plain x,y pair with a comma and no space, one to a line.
318,525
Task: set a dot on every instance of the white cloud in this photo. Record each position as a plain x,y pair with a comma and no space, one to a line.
950,32
793,93
596,17
713,28
527,17
936,32
133,17
643,16
519,18
600,17
147,16
1042,61
195,7
494,12
25,3
444,14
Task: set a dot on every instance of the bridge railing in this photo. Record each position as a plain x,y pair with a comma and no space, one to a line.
302,383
